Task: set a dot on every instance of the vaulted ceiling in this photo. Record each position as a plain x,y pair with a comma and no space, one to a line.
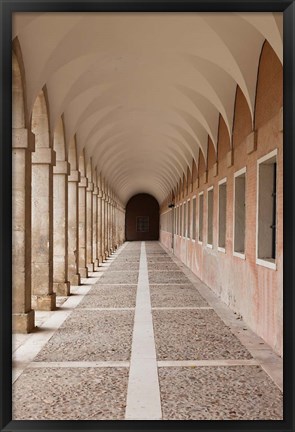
142,92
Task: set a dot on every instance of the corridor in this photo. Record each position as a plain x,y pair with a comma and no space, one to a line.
143,338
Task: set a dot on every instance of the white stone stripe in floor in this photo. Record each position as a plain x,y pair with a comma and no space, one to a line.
107,309
80,364
143,394
197,363
181,307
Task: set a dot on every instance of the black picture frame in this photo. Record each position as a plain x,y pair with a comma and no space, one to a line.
7,7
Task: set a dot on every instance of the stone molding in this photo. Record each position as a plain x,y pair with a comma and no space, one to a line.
215,169
44,156
62,167
23,139
74,176
230,158
90,186
251,142
83,182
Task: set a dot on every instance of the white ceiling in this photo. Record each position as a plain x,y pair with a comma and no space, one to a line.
142,92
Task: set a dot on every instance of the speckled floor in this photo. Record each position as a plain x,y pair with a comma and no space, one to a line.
219,393
78,365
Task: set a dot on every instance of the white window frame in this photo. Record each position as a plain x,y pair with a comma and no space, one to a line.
260,261
180,220
194,240
221,182
200,242
184,231
237,174
209,245
188,218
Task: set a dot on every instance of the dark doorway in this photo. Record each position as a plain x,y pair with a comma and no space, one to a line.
142,218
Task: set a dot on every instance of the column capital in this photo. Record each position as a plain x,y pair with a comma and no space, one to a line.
62,167
95,190
83,182
22,139
74,176
90,187
44,156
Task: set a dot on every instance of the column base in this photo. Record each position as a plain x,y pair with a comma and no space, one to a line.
90,267
96,263
83,272
75,279
45,302
61,288
23,322
101,259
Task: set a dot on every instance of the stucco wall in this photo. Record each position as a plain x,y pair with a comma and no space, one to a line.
254,291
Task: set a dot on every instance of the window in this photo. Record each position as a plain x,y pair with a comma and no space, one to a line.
210,217
180,223
201,205
221,215
142,224
240,213
266,210
184,220
188,219
194,219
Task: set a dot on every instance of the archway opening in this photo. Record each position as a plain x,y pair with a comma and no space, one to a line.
142,218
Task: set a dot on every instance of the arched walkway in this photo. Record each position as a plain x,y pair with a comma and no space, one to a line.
147,218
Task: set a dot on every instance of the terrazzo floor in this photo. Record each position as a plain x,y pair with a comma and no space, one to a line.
143,338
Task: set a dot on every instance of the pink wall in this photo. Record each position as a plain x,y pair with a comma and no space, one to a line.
254,291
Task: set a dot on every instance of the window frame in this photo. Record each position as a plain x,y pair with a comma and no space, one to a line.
261,261
195,233
238,174
220,183
188,227
200,242
211,188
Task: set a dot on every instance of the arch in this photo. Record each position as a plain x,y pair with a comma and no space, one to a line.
19,112
242,124
18,107
82,164
269,90
59,141
142,218
40,121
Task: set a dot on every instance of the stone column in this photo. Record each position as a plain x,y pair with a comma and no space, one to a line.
89,222
43,297
106,231
110,249
99,226
114,227
73,228
103,227
23,317
61,285
110,228
83,270
95,251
